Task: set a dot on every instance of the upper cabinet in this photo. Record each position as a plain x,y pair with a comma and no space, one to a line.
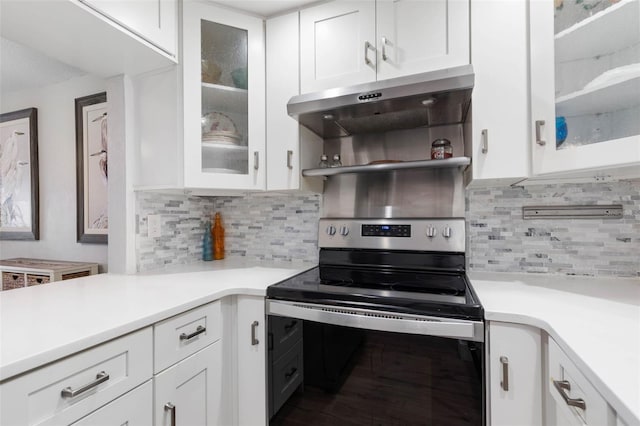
349,42
585,86
498,141
104,38
224,98
155,21
201,126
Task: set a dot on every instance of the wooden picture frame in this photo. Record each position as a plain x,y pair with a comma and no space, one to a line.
91,169
19,183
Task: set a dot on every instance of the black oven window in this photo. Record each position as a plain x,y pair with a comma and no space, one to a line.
362,377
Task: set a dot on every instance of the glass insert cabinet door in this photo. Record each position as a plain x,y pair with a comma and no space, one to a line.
224,98
585,82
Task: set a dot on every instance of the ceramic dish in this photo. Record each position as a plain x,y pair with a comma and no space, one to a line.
218,123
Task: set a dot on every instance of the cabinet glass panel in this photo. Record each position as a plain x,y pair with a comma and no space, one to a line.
597,71
225,104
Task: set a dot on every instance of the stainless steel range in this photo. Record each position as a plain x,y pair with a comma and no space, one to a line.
386,330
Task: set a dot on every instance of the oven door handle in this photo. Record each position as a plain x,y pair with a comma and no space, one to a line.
379,320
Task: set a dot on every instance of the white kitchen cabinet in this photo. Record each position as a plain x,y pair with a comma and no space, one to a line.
515,375
190,392
132,408
71,388
155,21
76,34
571,398
251,359
498,142
345,43
585,75
201,126
290,147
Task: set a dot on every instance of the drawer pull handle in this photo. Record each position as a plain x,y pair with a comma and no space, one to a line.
485,141
288,327
505,373
561,386
172,409
199,330
290,373
67,392
254,340
289,159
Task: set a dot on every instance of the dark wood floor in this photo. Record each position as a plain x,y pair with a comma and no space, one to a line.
406,380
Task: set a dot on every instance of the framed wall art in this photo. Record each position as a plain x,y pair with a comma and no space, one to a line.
19,215
92,172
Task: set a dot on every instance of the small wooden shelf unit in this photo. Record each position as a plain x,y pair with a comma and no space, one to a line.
23,272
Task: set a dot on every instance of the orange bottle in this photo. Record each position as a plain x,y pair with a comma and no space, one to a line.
217,232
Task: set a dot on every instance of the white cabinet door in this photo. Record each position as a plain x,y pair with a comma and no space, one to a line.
500,147
585,96
192,391
155,21
290,148
337,45
223,99
420,36
133,408
515,375
252,351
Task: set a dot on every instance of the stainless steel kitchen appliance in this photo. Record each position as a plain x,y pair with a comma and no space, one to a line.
386,330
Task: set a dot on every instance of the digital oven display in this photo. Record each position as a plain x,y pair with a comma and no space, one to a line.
386,230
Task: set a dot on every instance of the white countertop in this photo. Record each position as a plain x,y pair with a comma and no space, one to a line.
596,321
44,323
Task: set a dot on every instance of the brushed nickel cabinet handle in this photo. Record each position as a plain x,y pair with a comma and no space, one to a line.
289,159
561,386
256,160
172,409
199,330
384,51
485,141
367,46
505,373
539,140
67,392
254,340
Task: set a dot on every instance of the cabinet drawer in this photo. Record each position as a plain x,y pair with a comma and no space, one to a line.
564,373
132,408
286,375
283,334
33,279
11,280
178,337
66,390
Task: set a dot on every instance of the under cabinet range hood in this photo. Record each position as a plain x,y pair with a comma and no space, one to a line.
421,100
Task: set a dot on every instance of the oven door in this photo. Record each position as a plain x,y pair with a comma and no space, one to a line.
349,366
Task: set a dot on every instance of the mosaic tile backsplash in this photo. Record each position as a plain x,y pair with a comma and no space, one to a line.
499,240
261,227
284,228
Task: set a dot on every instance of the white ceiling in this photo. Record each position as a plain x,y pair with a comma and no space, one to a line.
266,7
24,68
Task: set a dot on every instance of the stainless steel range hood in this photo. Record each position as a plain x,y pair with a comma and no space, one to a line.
429,99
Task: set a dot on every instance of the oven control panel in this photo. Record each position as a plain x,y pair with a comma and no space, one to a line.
429,234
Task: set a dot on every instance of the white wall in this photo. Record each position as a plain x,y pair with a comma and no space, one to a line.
57,168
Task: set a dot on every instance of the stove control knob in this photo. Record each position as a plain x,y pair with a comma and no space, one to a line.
344,231
446,232
431,232
331,230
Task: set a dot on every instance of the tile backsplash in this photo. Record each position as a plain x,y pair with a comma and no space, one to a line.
279,227
283,227
499,240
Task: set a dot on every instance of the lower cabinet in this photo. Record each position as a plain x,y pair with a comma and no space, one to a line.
133,408
189,393
515,375
571,399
